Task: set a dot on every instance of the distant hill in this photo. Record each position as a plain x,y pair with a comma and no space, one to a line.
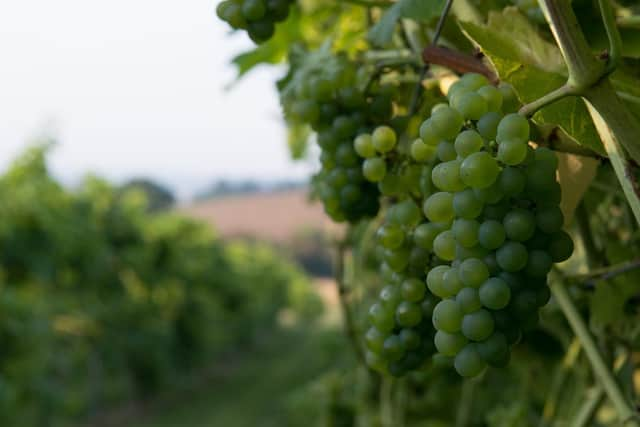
278,216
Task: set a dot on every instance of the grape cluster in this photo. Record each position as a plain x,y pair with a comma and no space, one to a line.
495,220
257,17
400,338
332,104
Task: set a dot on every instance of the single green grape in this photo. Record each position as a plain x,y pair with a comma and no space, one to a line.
538,264
447,316
446,123
466,232
495,293
390,295
452,281
421,152
512,256
479,170
391,236
393,348
435,281
513,127
478,326
549,219
410,338
449,344
444,246
446,176
468,362
408,314
512,181
413,290
488,125
466,205
493,96
494,350
468,142
381,317
446,151
363,145
260,31
424,234
512,152
439,207
384,139
428,134
519,225
471,105
374,339
374,169
473,272
254,10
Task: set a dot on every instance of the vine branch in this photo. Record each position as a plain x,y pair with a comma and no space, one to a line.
460,62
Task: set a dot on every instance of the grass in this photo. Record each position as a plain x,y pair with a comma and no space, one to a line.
256,387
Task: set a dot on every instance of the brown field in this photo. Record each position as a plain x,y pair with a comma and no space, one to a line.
276,217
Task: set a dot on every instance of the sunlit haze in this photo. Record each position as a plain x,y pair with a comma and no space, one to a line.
137,88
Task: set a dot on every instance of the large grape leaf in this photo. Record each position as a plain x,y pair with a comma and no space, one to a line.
421,10
534,67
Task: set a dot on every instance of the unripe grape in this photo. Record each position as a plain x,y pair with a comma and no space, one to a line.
468,362
469,300
447,316
473,272
479,170
449,344
467,143
513,127
444,246
384,139
374,169
512,256
363,145
493,96
439,207
478,326
495,293
421,152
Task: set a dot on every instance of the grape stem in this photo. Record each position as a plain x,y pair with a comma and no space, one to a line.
551,97
618,128
604,375
456,61
606,273
342,248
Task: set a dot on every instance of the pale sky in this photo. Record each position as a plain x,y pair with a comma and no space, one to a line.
136,87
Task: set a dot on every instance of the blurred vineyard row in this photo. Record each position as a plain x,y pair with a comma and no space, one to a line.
103,300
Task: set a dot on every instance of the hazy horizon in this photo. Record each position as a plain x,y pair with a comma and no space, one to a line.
137,89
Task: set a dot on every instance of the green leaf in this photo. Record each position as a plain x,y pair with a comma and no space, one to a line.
534,67
626,80
420,10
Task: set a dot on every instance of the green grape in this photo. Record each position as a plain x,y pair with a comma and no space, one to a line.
384,139
488,125
478,326
539,240
561,246
510,102
419,260
495,293
512,181
512,256
493,96
439,207
452,281
479,170
468,142
426,186
446,152
254,10
411,176
428,134
519,225
421,152
393,348
444,246
435,281
447,316
328,113
424,234
474,81
350,97
374,169
491,234
398,259
538,264
496,211
390,295
513,280
233,15
408,314
405,213
374,339
338,178
513,127
391,236
549,219
512,152
494,350
466,232
350,193
346,156
363,145
466,205
278,9
381,317
413,290
524,304
468,362
446,123
410,339
446,176
375,361
222,8
470,105
491,194
260,31
469,300
473,272
438,106
449,344
327,140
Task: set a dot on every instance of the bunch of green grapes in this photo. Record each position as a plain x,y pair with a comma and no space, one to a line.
332,104
498,220
257,17
400,337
